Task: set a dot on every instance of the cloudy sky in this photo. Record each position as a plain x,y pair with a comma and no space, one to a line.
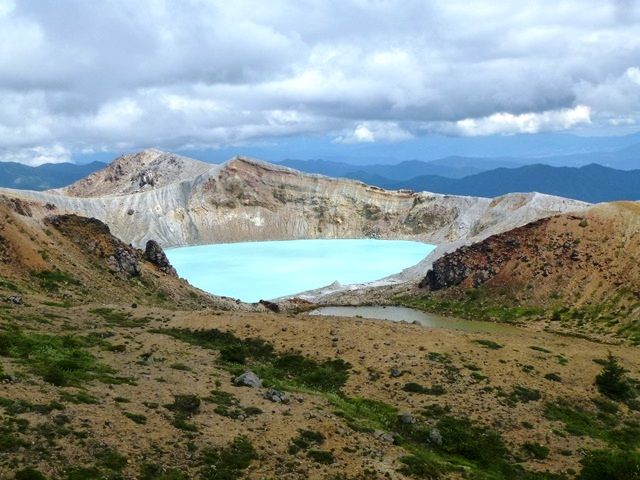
83,77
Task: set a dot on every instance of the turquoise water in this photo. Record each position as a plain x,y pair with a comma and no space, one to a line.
253,271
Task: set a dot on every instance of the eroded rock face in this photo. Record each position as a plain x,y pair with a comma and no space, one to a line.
21,207
445,274
94,237
154,253
478,263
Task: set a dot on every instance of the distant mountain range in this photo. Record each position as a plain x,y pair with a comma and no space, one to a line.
44,177
451,175
451,167
591,183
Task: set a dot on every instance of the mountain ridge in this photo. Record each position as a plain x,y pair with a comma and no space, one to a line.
248,200
591,183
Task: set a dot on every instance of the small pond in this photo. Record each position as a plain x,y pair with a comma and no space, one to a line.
399,314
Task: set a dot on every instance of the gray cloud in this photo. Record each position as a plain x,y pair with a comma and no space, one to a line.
82,76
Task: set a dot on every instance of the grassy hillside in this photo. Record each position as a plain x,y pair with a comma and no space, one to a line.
113,369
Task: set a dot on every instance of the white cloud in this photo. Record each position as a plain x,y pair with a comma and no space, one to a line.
38,155
126,74
368,132
508,123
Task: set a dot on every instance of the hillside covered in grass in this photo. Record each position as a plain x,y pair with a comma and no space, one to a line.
113,368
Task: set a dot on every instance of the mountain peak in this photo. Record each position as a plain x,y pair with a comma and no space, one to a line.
137,172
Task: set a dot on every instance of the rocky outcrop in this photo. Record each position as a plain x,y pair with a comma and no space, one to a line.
124,261
94,237
248,379
479,262
21,207
154,253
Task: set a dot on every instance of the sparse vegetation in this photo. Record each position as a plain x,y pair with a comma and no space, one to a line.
227,463
417,388
59,360
136,417
283,370
490,344
535,450
53,280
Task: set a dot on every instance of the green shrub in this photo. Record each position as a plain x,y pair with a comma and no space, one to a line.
606,406
321,456
227,463
288,369
490,344
116,318
152,471
136,417
535,450
29,474
78,397
612,381
611,465
111,459
233,354
304,440
364,414
524,394
59,359
85,474
327,376
420,467
413,387
461,437
554,377
540,349
187,404
52,280
180,366
220,397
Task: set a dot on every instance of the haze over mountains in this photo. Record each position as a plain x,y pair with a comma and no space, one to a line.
44,177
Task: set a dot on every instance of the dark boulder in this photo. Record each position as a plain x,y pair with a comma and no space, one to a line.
446,272
154,254
125,261
274,307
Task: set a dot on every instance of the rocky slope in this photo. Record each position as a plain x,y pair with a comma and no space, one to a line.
178,201
137,172
582,269
69,259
